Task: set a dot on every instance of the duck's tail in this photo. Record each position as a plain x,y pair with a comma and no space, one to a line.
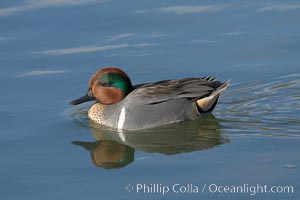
207,104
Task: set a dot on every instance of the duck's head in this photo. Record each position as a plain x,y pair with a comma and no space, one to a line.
108,86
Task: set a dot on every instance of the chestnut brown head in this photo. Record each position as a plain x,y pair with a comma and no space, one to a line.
108,86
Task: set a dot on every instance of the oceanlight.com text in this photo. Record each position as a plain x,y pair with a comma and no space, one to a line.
247,189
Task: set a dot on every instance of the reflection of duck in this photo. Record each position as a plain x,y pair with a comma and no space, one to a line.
123,106
116,149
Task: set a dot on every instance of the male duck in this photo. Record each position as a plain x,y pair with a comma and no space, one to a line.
123,106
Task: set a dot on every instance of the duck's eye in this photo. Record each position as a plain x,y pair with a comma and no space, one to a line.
105,80
104,84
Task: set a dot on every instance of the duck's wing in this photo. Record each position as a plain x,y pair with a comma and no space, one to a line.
162,91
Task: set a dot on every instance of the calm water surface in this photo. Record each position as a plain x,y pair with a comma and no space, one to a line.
50,48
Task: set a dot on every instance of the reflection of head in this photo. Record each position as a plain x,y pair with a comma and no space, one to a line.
108,154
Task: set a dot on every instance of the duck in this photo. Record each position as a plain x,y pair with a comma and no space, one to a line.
120,105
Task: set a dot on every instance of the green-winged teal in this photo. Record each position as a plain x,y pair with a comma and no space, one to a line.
120,105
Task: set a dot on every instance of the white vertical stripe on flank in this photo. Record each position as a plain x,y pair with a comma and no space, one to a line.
121,124
121,119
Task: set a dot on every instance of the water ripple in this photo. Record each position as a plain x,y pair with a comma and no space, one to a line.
262,108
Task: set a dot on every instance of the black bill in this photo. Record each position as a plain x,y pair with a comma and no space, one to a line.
88,97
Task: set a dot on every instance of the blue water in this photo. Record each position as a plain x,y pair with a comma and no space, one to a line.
50,48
